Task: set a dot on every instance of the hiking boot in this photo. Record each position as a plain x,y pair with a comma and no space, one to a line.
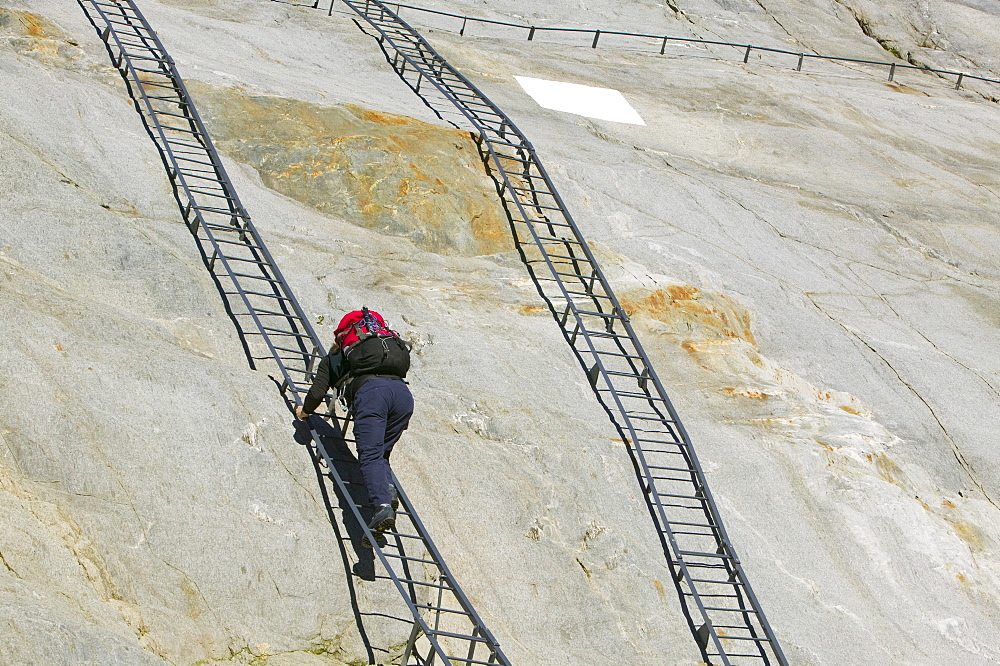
379,539
384,519
394,494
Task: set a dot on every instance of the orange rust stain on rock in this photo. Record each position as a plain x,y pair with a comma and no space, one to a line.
850,410
746,393
683,292
689,310
32,24
824,445
531,309
948,503
659,589
45,39
969,533
885,467
382,118
378,170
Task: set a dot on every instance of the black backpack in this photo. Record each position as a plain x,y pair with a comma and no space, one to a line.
379,350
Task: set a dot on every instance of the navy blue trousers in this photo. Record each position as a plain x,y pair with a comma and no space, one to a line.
382,410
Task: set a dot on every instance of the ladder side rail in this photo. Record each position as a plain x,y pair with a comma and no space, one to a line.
136,85
429,633
695,464
204,138
458,592
236,204
167,155
630,435
701,484
698,480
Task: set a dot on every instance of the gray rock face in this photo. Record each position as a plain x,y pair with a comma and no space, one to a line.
811,259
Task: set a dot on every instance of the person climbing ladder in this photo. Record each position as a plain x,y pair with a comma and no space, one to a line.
367,364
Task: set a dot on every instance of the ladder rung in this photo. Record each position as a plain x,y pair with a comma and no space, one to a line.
213,209
658,441
281,331
196,146
229,242
136,56
730,610
414,582
552,239
174,99
670,478
297,352
437,609
717,582
464,637
602,315
257,277
755,639
137,45
183,130
158,112
259,262
703,595
690,497
671,469
256,293
629,394
259,312
213,194
684,506
158,84
407,558
465,661
150,71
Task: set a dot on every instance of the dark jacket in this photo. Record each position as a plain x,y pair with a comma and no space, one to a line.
332,369
369,361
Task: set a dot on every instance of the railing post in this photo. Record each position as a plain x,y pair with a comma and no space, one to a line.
663,46
330,13
958,84
798,68
531,33
892,71
597,35
746,56
462,31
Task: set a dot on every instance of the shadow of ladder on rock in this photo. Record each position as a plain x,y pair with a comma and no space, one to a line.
446,629
722,611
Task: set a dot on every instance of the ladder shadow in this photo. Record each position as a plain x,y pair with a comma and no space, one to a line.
338,453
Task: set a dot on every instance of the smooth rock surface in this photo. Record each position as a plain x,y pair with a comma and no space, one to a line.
810,258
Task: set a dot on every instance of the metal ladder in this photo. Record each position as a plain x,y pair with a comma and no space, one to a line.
722,611
272,327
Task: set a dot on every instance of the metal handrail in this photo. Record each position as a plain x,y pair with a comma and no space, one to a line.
111,17
747,49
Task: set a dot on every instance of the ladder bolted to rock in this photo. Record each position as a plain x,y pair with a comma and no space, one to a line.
446,629
722,611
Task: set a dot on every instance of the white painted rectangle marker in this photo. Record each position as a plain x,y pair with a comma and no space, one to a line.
588,101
